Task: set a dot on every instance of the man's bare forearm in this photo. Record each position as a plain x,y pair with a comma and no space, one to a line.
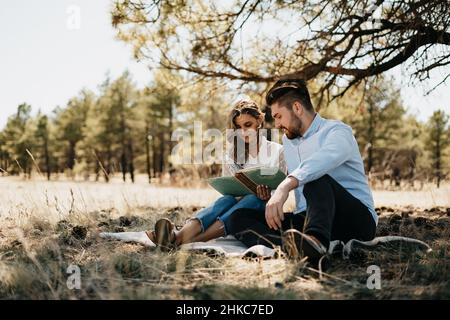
288,184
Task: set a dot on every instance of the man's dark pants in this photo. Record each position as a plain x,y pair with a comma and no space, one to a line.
332,214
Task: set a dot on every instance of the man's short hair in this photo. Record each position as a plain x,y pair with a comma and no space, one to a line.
286,91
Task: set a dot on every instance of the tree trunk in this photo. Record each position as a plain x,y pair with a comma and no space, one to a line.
47,158
131,160
147,153
154,153
123,157
97,170
170,127
71,155
27,171
438,159
162,144
108,164
371,139
3,166
123,165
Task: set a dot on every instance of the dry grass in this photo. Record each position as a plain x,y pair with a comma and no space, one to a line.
45,227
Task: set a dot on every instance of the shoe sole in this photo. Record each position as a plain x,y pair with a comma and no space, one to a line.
387,243
298,245
163,231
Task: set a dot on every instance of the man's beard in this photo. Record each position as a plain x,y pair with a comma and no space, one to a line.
294,128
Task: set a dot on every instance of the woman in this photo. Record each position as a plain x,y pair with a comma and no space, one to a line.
246,119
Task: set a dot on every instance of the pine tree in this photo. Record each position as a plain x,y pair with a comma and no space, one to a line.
4,156
158,107
376,115
68,133
438,139
19,141
43,143
108,143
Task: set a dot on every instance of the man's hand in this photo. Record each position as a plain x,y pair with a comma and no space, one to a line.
274,207
263,192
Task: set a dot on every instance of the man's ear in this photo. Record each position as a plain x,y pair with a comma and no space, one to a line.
297,108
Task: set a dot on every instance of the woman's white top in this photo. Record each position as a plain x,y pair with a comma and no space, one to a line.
270,155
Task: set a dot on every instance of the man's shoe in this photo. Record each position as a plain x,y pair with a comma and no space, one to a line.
298,245
356,249
165,237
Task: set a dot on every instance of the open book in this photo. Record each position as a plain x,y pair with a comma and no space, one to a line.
245,181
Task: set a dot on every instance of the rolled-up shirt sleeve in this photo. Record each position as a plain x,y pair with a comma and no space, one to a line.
282,162
335,150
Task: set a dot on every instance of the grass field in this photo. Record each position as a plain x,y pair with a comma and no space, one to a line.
47,226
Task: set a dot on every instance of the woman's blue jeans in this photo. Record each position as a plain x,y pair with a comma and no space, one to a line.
223,207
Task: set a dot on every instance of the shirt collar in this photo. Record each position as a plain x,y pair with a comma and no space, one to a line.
315,125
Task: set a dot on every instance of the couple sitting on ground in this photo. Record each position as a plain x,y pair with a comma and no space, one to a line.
325,171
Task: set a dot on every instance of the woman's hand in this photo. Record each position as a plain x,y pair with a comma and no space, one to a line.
263,192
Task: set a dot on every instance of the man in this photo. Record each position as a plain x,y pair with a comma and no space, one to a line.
326,172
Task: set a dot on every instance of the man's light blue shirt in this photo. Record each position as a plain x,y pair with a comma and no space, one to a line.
327,147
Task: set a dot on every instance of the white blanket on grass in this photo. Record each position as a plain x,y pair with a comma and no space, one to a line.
228,246
231,247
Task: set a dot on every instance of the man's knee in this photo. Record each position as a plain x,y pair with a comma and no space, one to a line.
315,184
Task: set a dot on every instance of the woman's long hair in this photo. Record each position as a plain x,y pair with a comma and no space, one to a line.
243,107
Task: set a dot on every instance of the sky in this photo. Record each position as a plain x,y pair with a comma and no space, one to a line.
48,54
45,59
